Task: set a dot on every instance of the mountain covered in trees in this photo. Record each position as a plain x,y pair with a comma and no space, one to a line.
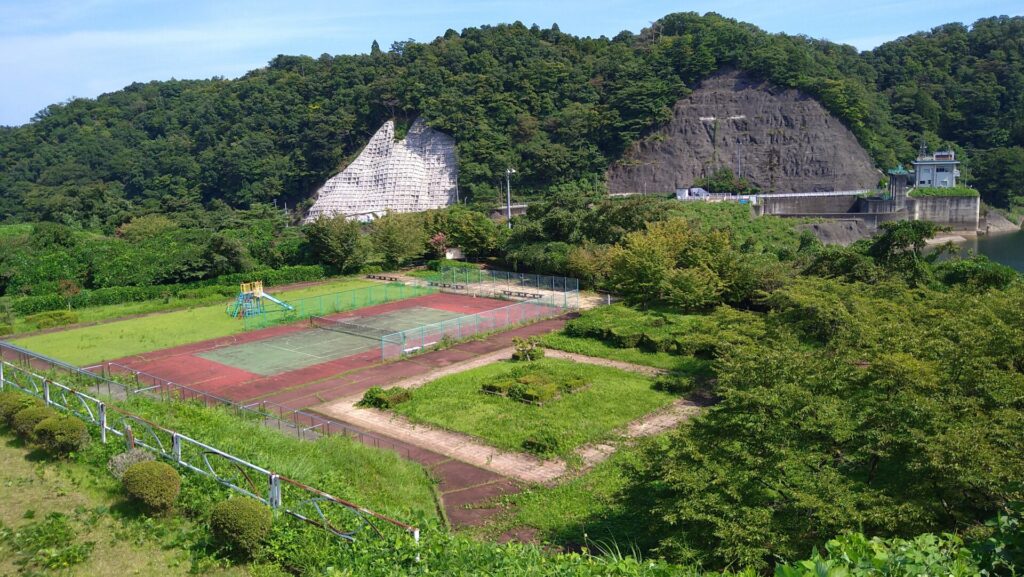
559,108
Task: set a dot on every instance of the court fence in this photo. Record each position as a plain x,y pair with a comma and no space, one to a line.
500,280
420,339
92,397
323,305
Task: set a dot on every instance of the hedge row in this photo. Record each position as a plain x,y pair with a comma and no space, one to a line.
226,285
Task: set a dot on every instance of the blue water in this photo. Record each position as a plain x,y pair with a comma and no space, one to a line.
1007,248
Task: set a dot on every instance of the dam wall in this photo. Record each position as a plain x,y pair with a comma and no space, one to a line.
958,212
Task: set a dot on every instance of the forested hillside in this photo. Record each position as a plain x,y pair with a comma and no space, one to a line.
558,107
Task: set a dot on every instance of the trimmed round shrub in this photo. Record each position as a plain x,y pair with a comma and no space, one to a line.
61,435
241,524
24,421
154,484
119,463
11,402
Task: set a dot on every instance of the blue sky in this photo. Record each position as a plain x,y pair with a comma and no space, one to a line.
53,50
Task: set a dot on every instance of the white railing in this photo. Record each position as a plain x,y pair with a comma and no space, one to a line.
280,493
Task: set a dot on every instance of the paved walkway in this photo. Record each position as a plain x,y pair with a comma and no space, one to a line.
514,465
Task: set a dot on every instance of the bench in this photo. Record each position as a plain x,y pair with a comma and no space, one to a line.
383,277
522,294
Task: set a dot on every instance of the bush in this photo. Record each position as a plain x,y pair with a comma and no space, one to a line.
379,398
241,524
527,349
675,384
52,319
118,464
543,444
61,435
11,402
24,421
154,484
6,329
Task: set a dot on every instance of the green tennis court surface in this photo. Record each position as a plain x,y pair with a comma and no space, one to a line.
316,345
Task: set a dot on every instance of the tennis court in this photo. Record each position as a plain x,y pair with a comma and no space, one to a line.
330,338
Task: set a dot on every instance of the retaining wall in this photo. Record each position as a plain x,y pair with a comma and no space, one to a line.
959,212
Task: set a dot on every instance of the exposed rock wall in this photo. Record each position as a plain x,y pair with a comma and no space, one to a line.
781,140
418,173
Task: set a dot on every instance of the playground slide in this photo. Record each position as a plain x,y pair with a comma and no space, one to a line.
279,302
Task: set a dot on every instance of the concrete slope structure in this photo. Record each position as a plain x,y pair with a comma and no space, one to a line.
417,173
779,139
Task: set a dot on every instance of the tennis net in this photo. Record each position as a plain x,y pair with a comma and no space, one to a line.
348,328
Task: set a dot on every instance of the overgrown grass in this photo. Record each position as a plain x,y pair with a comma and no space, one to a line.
374,478
67,518
88,345
11,230
613,398
589,506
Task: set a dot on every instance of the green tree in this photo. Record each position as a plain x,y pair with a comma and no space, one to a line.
398,238
338,242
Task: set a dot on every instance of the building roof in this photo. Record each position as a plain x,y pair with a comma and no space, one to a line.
898,170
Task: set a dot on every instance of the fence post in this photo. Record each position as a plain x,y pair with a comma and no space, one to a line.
176,447
274,497
416,540
3,382
129,436
46,391
103,423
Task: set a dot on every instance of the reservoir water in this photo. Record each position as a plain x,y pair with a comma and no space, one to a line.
1006,248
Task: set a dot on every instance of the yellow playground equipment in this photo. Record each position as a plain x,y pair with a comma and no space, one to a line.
249,301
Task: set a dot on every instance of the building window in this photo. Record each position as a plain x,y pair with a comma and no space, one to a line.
941,169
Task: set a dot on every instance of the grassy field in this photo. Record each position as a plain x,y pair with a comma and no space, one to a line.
89,345
591,505
598,348
374,478
613,399
59,508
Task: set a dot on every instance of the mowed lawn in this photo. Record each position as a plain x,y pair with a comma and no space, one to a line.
114,340
613,399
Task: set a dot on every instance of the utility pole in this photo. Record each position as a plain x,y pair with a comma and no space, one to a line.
508,193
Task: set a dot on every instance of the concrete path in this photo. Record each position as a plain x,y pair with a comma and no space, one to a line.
514,465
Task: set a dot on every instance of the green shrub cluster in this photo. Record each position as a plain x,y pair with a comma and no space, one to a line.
6,329
379,398
241,524
527,349
61,435
704,337
153,484
11,402
534,387
226,285
931,191
625,327
676,384
24,421
52,319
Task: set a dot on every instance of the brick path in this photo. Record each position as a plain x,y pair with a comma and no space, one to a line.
514,465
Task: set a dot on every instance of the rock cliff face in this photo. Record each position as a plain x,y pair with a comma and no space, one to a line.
780,140
417,173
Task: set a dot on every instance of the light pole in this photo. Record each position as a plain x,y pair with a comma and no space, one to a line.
508,193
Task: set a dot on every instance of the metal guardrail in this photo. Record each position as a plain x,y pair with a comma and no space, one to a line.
291,497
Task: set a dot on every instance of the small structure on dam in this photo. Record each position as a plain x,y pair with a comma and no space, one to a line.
916,195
